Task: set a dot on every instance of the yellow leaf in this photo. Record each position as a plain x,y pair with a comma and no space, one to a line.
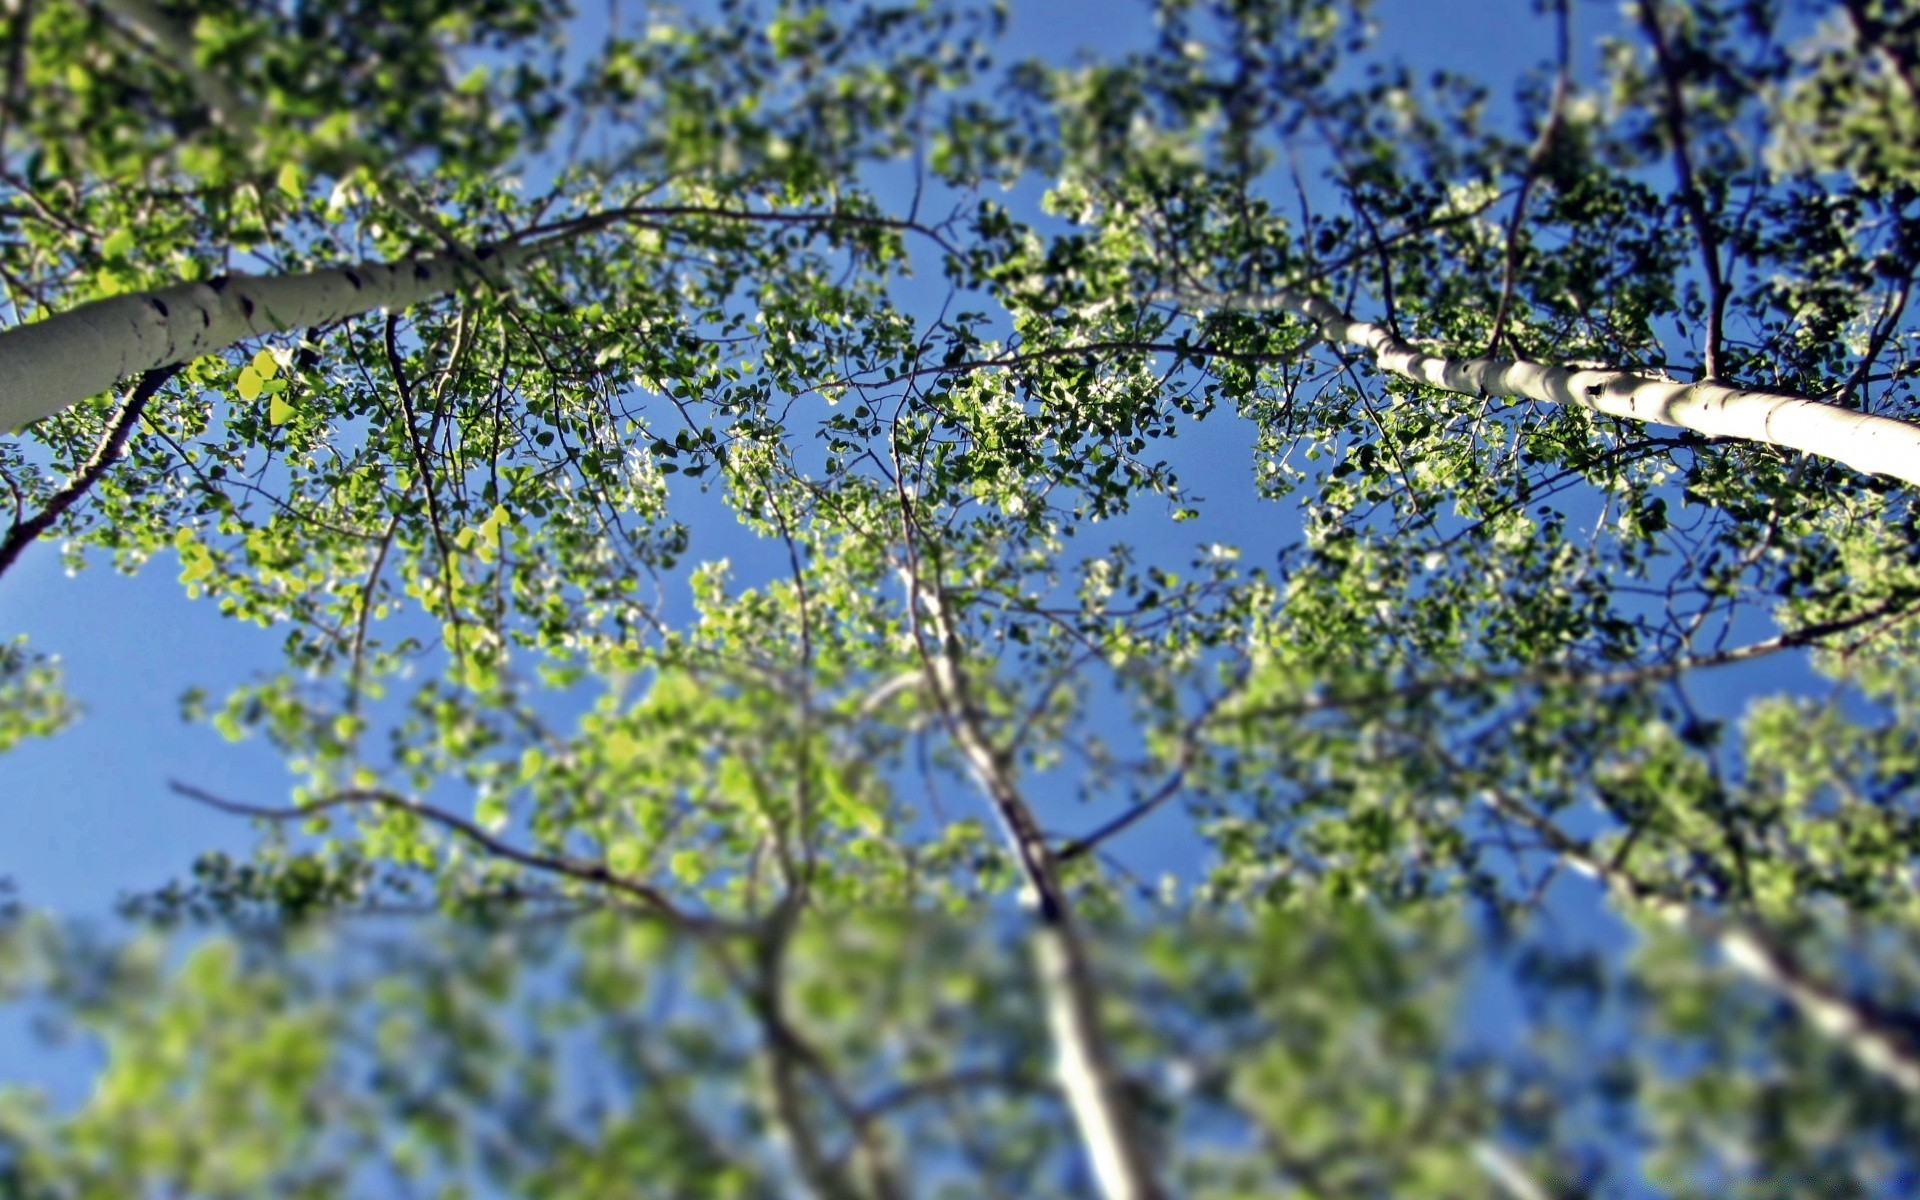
291,184
279,411
266,365
620,748
248,384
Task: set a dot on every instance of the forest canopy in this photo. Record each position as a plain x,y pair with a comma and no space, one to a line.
1291,622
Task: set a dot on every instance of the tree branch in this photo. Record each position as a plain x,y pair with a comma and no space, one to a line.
1536,158
1868,443
582,870
1813,636
1088,1073
1691,196
23,532
1876,1041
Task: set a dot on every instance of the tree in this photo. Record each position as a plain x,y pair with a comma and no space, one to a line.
747,846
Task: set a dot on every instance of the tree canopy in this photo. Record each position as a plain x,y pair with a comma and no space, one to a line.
1510,788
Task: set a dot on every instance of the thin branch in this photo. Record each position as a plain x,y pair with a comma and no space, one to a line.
582,870
646,214
423,465
1875,1038
366,614
1536,159
788,1054
1176,779
1883,331
1022,358
1817,635
1352,184
1675,114
23,532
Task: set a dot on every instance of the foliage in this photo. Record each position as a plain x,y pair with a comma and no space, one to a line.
32,703
927,328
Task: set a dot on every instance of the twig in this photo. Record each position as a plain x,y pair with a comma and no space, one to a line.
1807,636
424,466
23,533
1189,750
583,870
1883,331
366,614
1675,113
1536,158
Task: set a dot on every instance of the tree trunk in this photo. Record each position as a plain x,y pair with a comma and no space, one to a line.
1085,1064
1868,443
1882,1045
62,360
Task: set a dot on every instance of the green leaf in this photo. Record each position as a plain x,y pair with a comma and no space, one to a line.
688,866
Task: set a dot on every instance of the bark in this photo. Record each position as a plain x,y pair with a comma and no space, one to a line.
53,363
1872,444
1088,1072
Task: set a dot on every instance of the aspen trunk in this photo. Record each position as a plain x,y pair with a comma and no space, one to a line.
47,365
1871,444
1085,1063
1881,1045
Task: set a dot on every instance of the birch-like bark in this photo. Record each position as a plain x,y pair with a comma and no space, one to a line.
48,365
1872,444
1085,1064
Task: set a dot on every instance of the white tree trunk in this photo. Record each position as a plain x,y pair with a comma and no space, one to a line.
1868,443
1085,1064
48,365
1882,1046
